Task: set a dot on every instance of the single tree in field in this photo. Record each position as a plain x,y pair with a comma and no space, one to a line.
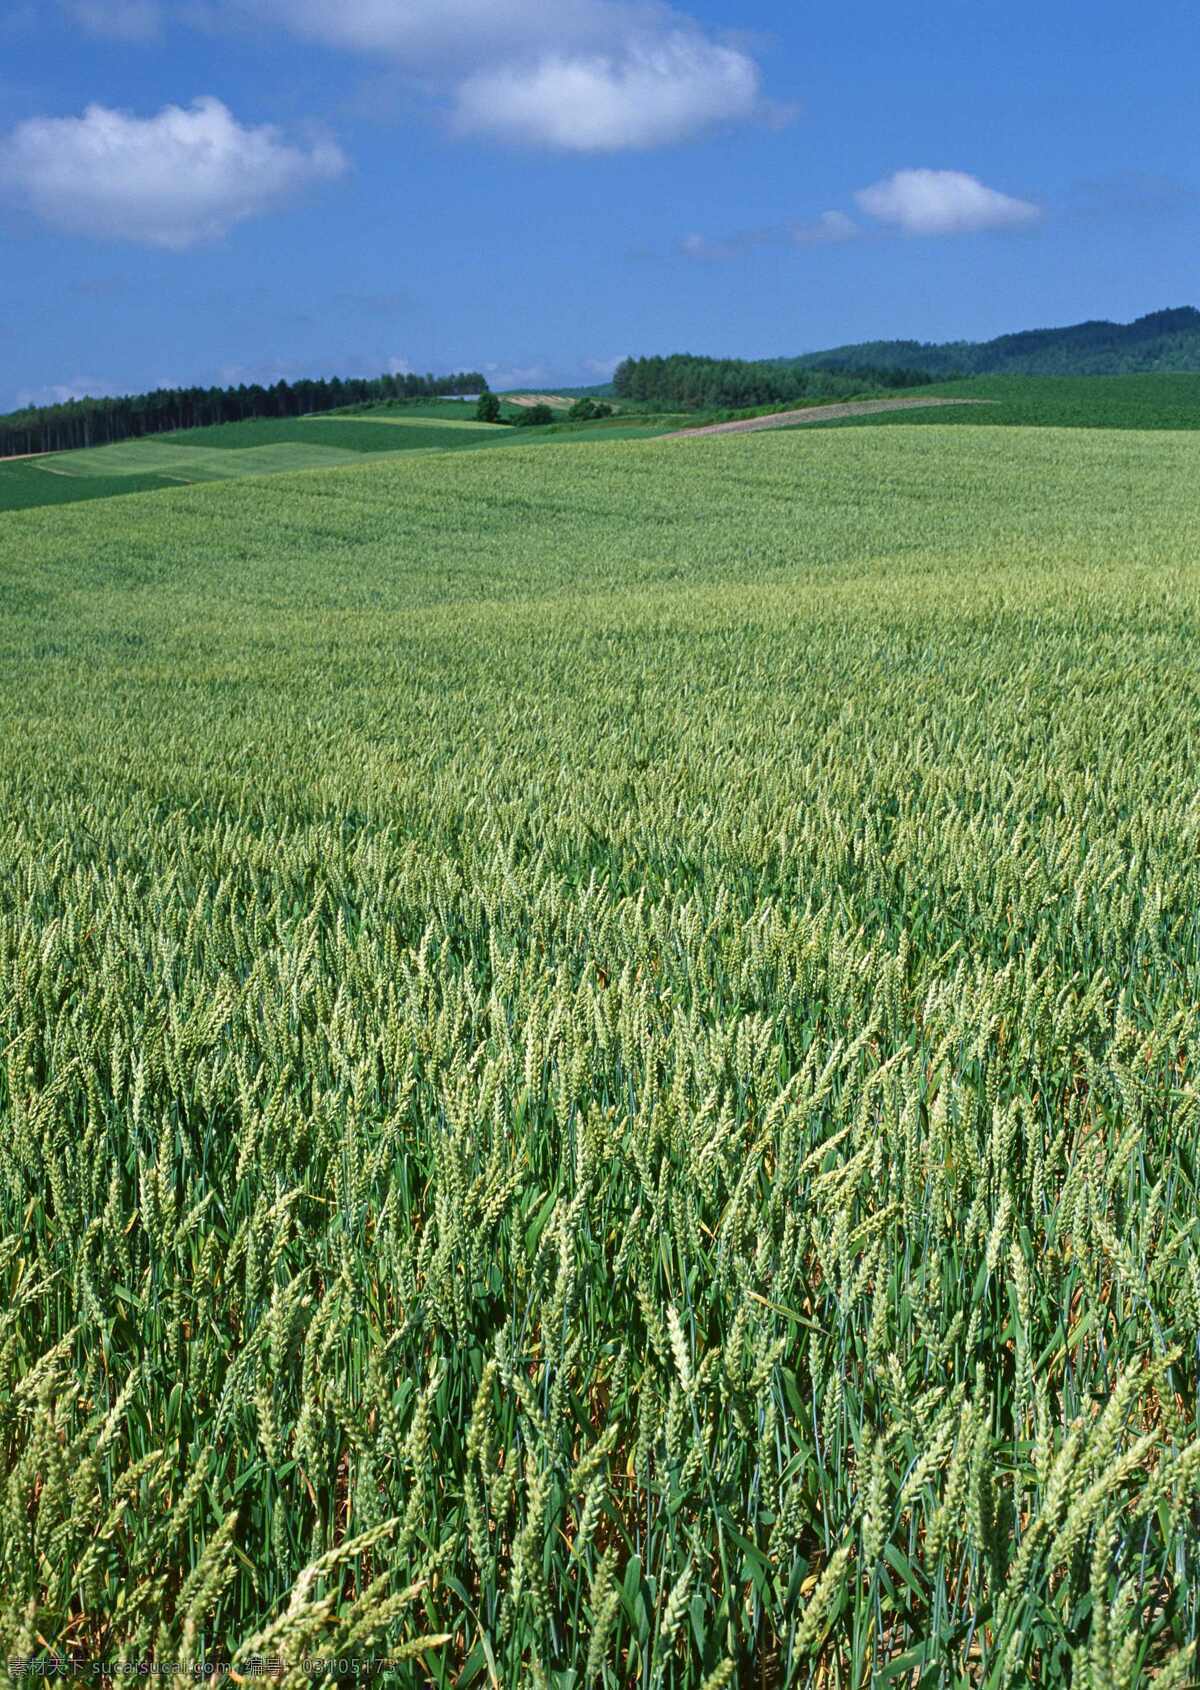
488,408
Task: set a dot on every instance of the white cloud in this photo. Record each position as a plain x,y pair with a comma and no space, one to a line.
505,378
424,30
263,373
124,20
655,93
943,202
579,75
171,181
831,228
708,251
60,393
603,367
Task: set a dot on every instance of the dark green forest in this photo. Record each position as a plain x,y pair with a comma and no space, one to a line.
103,422
684,382
1162,342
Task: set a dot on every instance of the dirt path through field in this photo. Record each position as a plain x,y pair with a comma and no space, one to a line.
818,413
23,457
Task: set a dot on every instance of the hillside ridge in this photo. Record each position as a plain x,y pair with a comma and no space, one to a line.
1165,341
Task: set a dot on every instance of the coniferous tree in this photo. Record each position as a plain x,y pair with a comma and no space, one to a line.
104,421
687,383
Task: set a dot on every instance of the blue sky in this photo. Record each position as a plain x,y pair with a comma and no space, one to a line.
224,190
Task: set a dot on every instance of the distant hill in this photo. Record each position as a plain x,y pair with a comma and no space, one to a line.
1163,341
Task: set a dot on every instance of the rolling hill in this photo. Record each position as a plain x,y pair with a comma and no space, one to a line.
1161,341
263,446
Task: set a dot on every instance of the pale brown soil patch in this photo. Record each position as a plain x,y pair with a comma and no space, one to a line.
527,399
817,413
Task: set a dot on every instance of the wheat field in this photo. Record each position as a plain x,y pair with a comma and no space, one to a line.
600,1066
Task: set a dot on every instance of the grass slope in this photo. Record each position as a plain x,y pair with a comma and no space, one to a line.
1105,402
25,484
430,410
376,432
257,447
176,457
270,446
601,1046
403,421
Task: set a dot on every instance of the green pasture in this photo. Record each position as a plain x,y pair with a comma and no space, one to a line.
1105,402
178,457
267,446
258,447
406,420
429,410
356,434
25,484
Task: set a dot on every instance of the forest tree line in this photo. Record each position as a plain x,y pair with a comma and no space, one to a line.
684,382
1162,342
102,422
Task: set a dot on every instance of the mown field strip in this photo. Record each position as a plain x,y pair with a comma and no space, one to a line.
601,1071
142,457
232,451
405,422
